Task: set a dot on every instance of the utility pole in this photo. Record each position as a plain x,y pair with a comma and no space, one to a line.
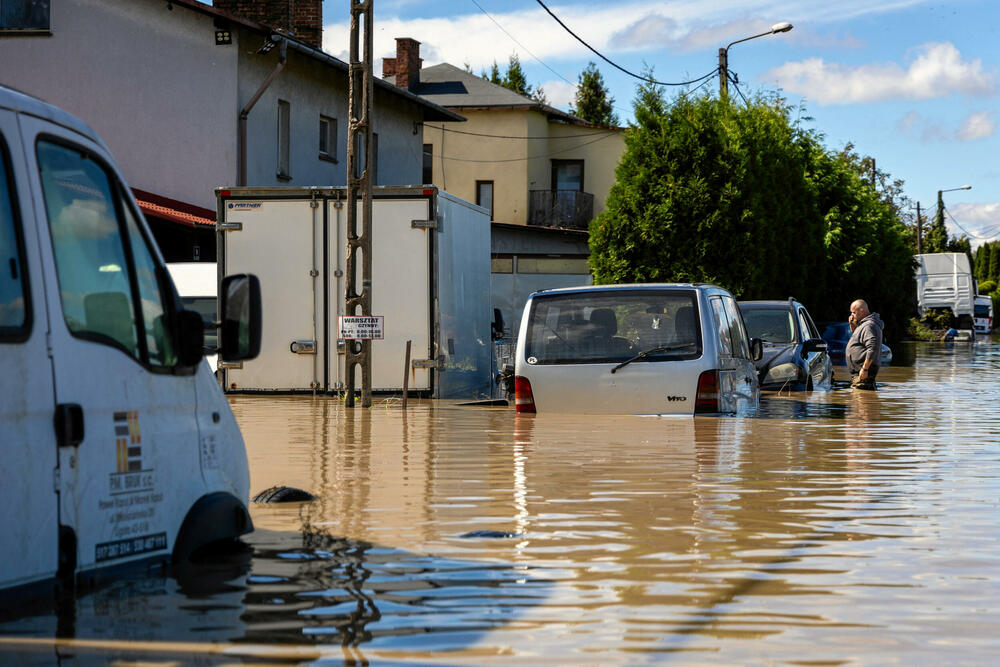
359,135
920,229
723,72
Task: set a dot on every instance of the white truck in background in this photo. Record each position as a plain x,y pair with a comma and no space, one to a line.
198,286
944,280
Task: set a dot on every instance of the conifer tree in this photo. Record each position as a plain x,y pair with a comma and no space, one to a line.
593,103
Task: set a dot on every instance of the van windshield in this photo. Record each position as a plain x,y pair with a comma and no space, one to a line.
613,326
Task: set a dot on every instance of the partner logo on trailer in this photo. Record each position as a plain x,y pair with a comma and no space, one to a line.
245,205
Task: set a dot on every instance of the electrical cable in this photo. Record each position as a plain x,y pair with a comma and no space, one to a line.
530,157
521,45
975,236
733,80
616,65
539,60
505,136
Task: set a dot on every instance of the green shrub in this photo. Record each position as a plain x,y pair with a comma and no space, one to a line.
918,331
937,318
987,287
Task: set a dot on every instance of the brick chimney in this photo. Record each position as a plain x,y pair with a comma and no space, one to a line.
406,65
302,18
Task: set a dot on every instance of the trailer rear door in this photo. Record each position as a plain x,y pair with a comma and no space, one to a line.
281,241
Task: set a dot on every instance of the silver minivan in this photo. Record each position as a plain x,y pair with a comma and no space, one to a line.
646,349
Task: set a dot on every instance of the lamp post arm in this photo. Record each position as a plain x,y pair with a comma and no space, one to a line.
763,34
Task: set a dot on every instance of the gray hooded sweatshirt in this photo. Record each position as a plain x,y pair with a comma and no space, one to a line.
865,341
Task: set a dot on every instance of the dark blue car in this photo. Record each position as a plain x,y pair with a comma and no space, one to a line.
836,335
795,356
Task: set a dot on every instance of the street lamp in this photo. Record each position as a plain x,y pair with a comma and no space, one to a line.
940,214
784,26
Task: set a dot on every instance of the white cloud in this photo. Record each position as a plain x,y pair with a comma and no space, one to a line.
559,93
937,71
681,25
977,125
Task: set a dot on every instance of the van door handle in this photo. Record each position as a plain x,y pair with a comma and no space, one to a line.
68,422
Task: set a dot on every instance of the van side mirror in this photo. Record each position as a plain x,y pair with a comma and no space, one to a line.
190,338
756,349
497,326
240,315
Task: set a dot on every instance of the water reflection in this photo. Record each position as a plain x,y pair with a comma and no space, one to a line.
839,526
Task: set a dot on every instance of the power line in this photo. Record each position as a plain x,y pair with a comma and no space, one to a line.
505,136
975,236
734,81
539,60
616,65
530,157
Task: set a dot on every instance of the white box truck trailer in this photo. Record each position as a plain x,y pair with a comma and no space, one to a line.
116,442
430,284
944,280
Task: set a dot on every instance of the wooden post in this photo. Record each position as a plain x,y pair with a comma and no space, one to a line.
406,374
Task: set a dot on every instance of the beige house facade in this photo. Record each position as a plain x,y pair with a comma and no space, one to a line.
528,163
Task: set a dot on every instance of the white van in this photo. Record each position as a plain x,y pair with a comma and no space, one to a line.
116,443
983,320
197,283
635,349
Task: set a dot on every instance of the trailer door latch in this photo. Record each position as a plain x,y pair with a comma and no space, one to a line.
436,364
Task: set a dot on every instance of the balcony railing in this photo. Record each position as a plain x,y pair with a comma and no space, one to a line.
569,209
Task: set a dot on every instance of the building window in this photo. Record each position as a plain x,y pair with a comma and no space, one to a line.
24,15
428,176
567,175
484,195
563,265
284,139
502,265
328,138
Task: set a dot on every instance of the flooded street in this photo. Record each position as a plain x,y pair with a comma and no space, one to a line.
837,527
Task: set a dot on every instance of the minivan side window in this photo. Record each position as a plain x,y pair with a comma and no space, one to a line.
722,325
14,312
741,344
103,281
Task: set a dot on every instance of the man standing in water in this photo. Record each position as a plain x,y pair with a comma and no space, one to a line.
865,346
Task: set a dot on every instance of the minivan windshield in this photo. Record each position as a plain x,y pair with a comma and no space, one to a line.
613,326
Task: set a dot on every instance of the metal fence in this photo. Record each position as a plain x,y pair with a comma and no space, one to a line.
569,209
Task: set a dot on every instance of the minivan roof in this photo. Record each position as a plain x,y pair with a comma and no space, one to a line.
19,102
629,287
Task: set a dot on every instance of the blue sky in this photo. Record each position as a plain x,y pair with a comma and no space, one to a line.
914,83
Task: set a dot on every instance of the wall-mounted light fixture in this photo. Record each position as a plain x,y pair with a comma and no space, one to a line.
223,37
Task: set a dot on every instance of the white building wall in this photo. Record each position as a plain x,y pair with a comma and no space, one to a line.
152,82
142,76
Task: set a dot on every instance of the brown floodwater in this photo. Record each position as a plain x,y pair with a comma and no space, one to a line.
836,527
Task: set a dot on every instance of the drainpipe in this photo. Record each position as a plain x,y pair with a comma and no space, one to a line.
245,111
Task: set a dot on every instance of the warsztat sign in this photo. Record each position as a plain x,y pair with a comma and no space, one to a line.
354,327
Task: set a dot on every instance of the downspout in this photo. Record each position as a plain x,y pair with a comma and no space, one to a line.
245,111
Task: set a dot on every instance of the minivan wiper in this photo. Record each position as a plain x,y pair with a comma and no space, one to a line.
653,350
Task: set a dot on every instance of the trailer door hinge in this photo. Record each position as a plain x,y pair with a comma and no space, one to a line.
423,224
230,364
437,364
55,479
230,226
